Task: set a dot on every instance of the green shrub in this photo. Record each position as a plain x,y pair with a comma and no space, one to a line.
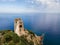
16,38
30,32
31,43
11,43
7,38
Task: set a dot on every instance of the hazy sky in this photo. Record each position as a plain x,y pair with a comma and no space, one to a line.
27,6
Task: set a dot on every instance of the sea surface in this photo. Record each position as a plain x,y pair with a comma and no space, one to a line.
39,23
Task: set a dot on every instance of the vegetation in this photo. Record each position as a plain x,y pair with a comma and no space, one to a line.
30,32
8,37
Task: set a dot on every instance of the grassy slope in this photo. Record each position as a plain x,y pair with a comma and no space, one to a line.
8,37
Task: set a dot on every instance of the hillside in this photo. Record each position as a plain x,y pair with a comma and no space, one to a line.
8,37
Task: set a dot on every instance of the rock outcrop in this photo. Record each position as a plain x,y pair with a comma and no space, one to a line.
30,36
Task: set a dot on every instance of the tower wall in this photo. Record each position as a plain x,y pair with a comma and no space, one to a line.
18,26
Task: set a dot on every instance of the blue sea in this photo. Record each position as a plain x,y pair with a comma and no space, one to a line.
39,23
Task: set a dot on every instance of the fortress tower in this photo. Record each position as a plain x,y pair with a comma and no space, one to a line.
30,36
18,27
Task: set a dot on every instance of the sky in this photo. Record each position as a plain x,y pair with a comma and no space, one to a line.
29,6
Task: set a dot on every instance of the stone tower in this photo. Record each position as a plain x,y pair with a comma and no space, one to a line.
18,26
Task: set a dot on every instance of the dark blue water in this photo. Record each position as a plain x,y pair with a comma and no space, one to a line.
38,23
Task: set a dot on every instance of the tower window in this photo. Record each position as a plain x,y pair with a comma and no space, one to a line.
16,21
20,26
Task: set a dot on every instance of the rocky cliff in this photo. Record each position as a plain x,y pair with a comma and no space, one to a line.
8,37
20,36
